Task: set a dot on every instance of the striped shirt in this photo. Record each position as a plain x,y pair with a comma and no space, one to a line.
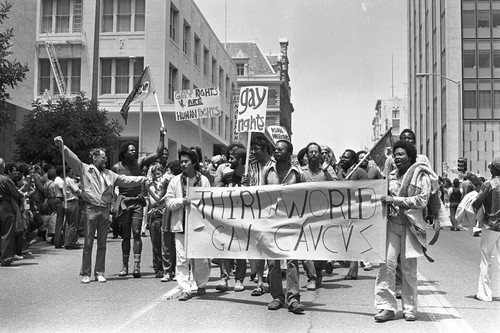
256,172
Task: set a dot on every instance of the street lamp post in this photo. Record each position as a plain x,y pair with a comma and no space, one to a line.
460,111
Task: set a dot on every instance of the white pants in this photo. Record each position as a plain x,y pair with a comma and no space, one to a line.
201,267
490,245
385,285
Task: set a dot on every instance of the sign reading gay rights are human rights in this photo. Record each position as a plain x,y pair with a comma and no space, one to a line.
197,103
319,221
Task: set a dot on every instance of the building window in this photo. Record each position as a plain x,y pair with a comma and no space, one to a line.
240,69
197,50
221,81
61,16
71,70
484,99
214,71
469,59
185,83
118,75
174,20
172,82
123,15
228,88
186,31
206,59
483,19
484,59
468,19
496,58
469,99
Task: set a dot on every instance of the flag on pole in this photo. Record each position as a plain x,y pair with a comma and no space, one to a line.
378,152
142,88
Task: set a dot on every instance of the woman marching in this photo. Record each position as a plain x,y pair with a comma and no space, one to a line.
410,186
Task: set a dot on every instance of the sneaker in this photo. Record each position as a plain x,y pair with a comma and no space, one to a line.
100,278
275,304
222,286
184,296
166,278
16,257
311,286
296,307
239,286
86,279
398,294
409,317
368,266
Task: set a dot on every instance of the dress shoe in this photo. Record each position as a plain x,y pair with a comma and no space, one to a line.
184,296
86,279
136,273
158,274
100,278
72,247
296,307
6,263
201,291
276,304
409,317
398,294
384,315
350,277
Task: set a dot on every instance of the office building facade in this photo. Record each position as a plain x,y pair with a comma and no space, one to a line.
454,98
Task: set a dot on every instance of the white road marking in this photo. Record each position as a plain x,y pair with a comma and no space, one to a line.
444,316
168,295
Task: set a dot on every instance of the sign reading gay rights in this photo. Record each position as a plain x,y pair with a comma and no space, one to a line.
252,109
318,221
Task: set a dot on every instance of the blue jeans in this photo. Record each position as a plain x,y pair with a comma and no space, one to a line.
241,269
97,219
292,280
58,237
72,212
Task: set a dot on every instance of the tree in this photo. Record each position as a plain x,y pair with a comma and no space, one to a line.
80,123
11,72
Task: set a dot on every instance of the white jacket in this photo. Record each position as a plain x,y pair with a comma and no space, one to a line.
174,200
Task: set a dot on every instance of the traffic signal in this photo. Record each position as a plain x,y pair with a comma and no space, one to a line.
462,164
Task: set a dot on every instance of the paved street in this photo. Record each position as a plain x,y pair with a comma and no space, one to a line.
44,294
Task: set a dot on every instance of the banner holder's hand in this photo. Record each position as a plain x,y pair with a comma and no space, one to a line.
59,142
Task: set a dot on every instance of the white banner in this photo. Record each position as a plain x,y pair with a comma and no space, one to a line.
197,103
319,221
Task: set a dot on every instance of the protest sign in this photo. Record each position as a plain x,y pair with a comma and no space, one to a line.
278,133
197,103
252,109
320,221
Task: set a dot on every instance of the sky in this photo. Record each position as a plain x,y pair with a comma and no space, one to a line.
341,55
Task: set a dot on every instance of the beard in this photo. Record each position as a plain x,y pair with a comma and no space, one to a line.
314,161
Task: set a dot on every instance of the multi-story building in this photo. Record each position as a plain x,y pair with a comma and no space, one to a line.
389,113
103,46
454,86
254,68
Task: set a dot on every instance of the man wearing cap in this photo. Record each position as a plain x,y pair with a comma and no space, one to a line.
489,198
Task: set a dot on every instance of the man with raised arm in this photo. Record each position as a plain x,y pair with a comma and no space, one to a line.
97,191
